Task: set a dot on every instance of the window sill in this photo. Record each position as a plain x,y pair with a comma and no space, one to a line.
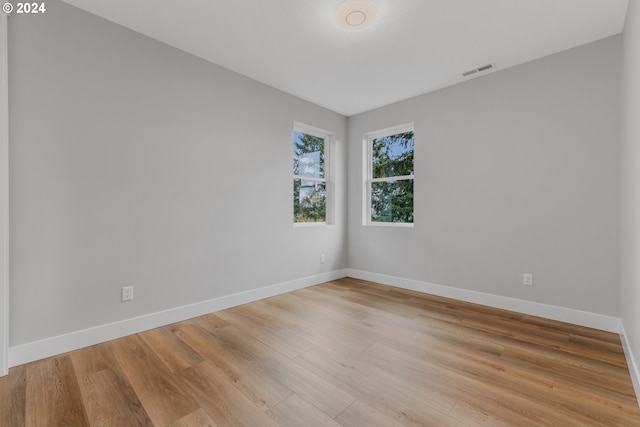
390,224
308,224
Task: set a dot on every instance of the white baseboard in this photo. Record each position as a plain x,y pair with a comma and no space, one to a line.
569,315
634,372
48,347
29,352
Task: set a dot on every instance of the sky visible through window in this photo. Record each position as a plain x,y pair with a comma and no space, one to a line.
392,173
309,195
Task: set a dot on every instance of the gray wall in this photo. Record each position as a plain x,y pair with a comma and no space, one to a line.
133,163
630,293
516,172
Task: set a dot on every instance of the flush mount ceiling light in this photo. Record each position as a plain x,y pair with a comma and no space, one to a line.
356,15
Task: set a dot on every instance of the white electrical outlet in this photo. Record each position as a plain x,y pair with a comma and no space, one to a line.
527,279
127,293
322,259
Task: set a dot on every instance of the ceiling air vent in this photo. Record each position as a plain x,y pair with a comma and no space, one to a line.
478,70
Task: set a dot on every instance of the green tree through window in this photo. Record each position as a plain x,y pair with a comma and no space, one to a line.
391,178
309,178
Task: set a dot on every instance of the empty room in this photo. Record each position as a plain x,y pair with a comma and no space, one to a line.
389,213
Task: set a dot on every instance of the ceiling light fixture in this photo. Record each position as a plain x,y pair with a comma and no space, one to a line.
356,15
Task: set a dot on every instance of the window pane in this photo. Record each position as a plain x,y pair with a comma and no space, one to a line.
392,201
308,155
392,155
309,201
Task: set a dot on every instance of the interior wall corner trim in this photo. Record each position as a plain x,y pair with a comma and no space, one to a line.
4,196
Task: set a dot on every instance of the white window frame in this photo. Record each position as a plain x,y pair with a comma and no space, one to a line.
328,172
368,174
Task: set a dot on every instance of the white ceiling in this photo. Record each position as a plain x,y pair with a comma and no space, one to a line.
414,47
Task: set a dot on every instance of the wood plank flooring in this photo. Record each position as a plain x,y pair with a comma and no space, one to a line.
346,353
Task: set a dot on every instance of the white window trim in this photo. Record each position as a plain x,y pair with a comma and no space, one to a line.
309,224
368,174
329,140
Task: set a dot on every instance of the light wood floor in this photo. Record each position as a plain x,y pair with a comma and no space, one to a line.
345,353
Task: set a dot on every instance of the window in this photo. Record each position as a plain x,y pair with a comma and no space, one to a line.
389,180
310,173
